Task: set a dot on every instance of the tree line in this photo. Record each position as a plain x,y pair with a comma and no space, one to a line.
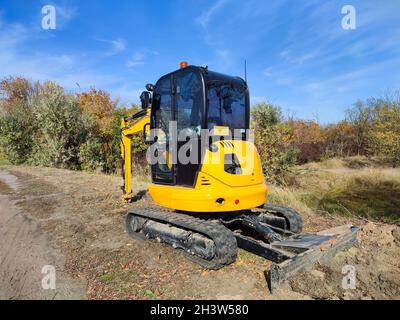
43,124
370,128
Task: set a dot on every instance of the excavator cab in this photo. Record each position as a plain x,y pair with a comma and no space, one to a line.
196,99
199,115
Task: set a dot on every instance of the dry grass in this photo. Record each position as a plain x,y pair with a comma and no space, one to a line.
355,162
352,187
371,193
288,197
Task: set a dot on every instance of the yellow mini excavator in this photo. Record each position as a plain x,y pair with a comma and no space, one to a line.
216,202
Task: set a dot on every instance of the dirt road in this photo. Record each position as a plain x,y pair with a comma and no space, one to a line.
74,221
25,251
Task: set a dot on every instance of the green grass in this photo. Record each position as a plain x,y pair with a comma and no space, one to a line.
4,162
106,278
369,189
150,294
370,195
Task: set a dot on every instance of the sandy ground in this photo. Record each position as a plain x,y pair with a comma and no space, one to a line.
74,221
25,250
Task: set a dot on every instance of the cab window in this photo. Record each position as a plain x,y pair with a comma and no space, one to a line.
226,105
189,101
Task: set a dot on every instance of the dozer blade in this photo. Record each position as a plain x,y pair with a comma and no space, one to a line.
274,232
299,253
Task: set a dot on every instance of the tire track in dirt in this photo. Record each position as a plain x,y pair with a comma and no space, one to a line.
25,250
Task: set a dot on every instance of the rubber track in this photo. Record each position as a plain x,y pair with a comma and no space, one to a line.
225,242
295,221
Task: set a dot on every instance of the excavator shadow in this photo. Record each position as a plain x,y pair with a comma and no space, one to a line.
138,196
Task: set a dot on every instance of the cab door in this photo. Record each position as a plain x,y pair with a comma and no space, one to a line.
177,113
161,115
188,109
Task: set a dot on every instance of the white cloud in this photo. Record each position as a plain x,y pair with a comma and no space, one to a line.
223,54
205,17
66,69
11,35
269,71
284,53
139,57
64,14
290,58
136,59
74,71
117,46
224,59
351,80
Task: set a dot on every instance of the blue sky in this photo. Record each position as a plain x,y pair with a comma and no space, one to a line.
298,54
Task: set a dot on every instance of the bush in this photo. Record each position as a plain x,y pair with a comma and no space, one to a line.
376,127
340,139
359,117
61,129
102,150
383,134
91,155
17,130
270,138
308,138
17,121
43,125
266,115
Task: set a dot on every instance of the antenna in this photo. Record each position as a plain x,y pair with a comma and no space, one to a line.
245,70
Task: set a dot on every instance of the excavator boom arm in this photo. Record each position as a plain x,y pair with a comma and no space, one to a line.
128,129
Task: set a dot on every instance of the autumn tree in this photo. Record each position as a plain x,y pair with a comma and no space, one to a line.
14,91
98,151
308,137
383,135
359,117
98,105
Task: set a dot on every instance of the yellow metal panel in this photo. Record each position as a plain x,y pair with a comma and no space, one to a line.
204,199
237,191
246,152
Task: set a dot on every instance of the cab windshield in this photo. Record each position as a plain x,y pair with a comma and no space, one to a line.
226,105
